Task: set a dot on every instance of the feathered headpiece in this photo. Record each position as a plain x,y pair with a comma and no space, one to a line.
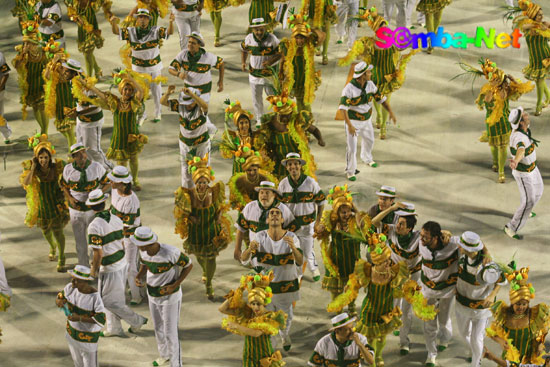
247,157
140,82
529,8
234,111
39,142
258,287
491,72
378,249
337,197
53,47
29,29
520,289
282,103
298,24
198,167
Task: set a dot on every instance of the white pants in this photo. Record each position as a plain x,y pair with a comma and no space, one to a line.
284,304
410,7
80,222
365,131
307,246
473,332
165,319
530,191
186,26
91,138
200,150
439,328
156,91
407,317
81,357
131,255
5,130
389,6
510,2
345,11
258,99
112,286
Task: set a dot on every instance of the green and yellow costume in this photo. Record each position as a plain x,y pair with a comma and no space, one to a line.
433,9
321,15
215,7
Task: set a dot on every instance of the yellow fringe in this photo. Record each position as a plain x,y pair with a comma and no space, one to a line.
50,90
298,135
330,266
125,53
311,74
267,323
237,3
512,353
288,66
413,295
5,302
516,90
32,198
182,209
160,79
3,121
357,50
23,84
78,90
350,293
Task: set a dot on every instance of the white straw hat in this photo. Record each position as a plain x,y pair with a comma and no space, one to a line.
120,174
143,236
81,272
96,197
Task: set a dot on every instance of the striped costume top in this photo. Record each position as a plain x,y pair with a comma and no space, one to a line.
127,208
52,12
260,9
282,144
64,98
92,118
260,51
520,139
81,181
145,47
252,218
198,68
35,81
405,248
303,198
539,54
357,100
124,125
255,349
329,352
502,127
193,124
84,304
278,257
439,269
384,64
187,9
162,270
344,252
105,233
469,292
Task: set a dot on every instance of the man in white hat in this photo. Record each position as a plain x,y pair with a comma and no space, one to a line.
85,313
253,218
49,17
278,250
356,105
188,18
194,66
166,268
403,242
80,178
263,48
105,238
5,129
194,137
386,198
144,40
125,205
304,197
343,346
476,288
524,169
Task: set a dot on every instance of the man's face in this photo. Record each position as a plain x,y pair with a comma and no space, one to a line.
365,77
274,217
345,332
385,202
142,21
80,157
285,118
266,197
294,167
79,283
68,74
427,238
193,45
401,227
259,32
151,249
525,121
252,173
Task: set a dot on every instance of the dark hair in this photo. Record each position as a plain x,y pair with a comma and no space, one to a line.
99,207
411,221
127,188
433,228
50,164
243,116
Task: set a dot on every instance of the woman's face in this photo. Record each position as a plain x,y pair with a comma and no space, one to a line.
257,307
344,213
243,125
520,307
300,40
44,158
202,184
539,16
127,91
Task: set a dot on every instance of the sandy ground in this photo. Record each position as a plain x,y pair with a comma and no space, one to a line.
433,157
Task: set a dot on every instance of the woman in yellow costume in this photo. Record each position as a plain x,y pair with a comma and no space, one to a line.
201,219
126,141
520,329
389,64
46,206
29,63
537,36
495,98
321,15
83,13
433,9
252,320
378,316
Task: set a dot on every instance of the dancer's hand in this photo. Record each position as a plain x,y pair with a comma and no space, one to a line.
289,241
513,164
220,86
139,282
171,89
254,245
352,130
169,289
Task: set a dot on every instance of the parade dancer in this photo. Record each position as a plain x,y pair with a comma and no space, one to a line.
321,15
433,10
525,171
166,268
304,197
188,18
215,7
4,75
386,199
48,13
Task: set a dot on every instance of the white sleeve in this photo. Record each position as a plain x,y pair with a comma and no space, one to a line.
4,287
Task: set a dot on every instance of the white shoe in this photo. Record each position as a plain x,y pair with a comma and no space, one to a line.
108,334
430,362
316,274
511,233
161,362
134,329
287,343
135,301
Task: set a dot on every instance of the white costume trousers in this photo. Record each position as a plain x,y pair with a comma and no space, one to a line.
365,131
439,328
407,317
307,246
165,319
80,222
5,129
510,2
91,138
131,255
346,10
200,150
284,304
258,100
473,332
389,6
112,286
530,191
156,91
410,7
81,357
186,26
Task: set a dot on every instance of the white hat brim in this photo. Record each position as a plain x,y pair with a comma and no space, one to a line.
118,179
302,162
258,188
67,66
402,213
74,275
477,248
352,319
140,243
357,75
385,194
89,203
